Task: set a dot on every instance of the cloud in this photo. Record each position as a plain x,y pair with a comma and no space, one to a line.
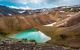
39,3
20,1
24,2
25,8
31,1
27,1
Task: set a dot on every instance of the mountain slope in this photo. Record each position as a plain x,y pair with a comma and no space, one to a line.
7,11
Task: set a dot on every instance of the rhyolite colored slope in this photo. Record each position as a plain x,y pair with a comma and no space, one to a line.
66,32
60,33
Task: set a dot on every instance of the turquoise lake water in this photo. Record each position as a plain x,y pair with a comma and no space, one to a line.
32,34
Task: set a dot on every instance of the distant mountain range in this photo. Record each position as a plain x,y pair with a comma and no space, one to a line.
7,11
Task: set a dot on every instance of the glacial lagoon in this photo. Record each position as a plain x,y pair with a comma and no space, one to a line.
32,34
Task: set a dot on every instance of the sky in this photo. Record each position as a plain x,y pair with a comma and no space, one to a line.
38,4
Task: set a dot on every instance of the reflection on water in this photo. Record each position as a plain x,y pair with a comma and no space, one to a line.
32,34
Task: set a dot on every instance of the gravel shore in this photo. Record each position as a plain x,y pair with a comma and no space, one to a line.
8,45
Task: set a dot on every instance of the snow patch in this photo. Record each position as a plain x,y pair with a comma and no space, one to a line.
9,14
50,24
21,11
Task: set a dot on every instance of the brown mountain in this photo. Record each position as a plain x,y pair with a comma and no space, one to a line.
64,32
